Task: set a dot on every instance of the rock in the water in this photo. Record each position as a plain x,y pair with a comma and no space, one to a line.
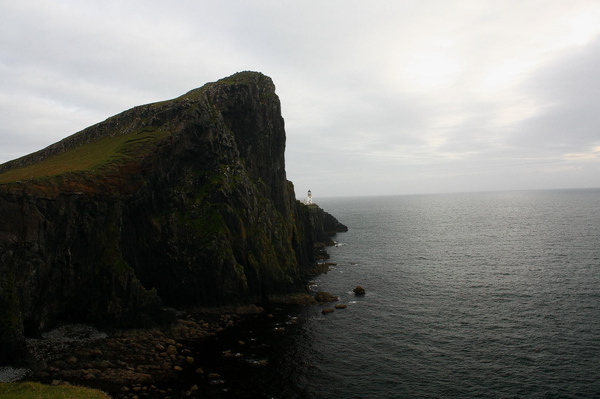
327,310
323,297
340,306
359,290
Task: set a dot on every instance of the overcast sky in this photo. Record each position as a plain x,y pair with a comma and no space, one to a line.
379,97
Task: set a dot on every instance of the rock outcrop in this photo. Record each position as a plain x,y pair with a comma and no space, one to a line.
178,203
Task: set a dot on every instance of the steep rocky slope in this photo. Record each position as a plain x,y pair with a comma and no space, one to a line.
177,203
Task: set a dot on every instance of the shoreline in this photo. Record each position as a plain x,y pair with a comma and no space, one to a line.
175,361
171,361
125,363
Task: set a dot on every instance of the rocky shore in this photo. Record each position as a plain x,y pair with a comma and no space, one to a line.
200,355
130,363
182,360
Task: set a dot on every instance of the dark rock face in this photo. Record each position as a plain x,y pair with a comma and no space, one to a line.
178,203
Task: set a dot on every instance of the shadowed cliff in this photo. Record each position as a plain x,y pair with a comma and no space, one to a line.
179,203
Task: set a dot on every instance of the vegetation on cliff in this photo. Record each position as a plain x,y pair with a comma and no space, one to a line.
28,390
180,203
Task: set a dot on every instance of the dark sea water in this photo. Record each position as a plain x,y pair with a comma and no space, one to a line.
491,295
487,295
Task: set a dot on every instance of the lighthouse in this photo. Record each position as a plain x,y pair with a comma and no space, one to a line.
309,199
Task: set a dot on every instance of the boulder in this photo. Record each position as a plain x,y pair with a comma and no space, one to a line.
359,291
323,297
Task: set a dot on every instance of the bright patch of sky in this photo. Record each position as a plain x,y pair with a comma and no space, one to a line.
379,97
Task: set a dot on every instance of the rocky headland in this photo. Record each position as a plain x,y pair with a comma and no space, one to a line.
171,205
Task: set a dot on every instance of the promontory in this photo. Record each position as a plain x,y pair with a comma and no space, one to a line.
174,204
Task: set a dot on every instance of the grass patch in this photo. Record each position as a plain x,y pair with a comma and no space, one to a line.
90,156
33,390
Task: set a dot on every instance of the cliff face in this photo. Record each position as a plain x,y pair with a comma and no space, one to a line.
177,203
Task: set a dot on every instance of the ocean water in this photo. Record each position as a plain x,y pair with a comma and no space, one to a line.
469,295
486,295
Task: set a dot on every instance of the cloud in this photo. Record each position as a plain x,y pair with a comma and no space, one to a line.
396,96
566,91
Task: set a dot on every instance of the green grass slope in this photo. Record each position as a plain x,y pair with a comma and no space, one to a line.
32,390
103,154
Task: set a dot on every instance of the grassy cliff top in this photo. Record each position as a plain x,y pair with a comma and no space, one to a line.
122,138
29,390
91,157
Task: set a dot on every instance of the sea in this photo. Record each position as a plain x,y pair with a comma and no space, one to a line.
478,295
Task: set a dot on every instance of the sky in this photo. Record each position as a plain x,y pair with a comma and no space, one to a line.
379,97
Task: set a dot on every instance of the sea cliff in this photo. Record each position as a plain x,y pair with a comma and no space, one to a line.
179,203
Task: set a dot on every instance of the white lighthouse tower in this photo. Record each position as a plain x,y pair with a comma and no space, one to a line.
309,199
